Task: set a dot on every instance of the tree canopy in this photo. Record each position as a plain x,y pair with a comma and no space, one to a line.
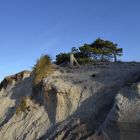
99,50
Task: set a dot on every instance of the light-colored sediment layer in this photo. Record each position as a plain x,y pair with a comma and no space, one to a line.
77,102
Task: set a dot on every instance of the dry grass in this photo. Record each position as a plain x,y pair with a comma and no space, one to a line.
22,106
42,69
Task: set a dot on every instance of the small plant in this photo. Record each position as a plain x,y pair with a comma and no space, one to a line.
62,58
0,120
23,105
55,81
42,69
85,61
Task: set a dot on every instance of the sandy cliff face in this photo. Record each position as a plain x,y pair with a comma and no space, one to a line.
91,99
123,121
78,104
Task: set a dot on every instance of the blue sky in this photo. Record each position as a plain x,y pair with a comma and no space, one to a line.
29,28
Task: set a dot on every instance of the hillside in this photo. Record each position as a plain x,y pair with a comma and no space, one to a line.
87,102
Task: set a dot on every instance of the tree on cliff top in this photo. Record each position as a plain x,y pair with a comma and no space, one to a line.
99,50
106,48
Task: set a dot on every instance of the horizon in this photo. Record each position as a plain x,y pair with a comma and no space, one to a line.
31,28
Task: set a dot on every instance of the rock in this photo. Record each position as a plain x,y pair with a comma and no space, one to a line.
13,79
123,121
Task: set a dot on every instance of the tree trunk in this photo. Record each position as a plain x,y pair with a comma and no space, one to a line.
115,57
72,60
102,57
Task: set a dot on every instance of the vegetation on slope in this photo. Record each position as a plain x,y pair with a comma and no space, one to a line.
99,50
23,105
41,70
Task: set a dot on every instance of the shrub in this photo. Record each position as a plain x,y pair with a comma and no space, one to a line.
42,69
99,50
23,105
62,58
85,61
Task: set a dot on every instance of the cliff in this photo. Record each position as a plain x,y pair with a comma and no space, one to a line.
89,102
13,79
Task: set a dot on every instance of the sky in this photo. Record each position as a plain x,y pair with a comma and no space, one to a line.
30,28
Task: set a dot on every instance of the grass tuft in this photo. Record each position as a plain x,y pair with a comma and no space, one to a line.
42,69
22,106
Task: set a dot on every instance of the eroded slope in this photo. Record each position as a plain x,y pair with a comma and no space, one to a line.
76,104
